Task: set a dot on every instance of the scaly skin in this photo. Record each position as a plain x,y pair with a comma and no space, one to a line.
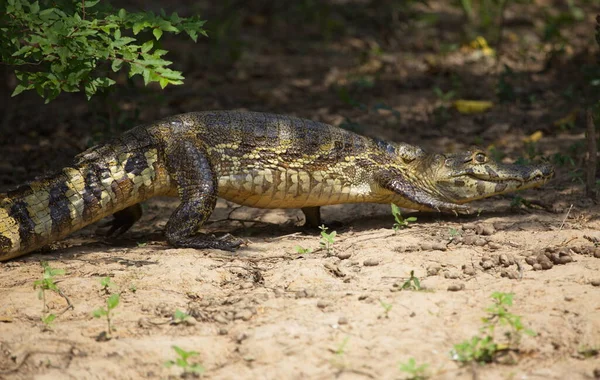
253,159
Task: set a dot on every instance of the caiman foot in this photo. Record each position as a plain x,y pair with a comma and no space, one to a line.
226,242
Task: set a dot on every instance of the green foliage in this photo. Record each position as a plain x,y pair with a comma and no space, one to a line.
106,283
111,303
414,371
401,222
413,283
180,316
327,239
484,348
302,250
387,307
182,362
70,45
47,283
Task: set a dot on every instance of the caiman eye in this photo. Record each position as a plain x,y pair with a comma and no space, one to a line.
480,158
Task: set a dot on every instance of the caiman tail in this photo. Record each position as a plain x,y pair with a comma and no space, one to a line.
100,182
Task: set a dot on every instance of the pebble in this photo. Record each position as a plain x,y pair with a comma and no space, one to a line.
438,246
190,321
220,318
484,229
371,262
487,264
244,315
469,270
568,298
537,266
452,275
426,246
531,260
546,264
322,304
342,321
247,285
597,253
344,255
456,287
494,245
565,259
506,260
301,294
480,242
595,282
511,274
433,269
223,331
469,239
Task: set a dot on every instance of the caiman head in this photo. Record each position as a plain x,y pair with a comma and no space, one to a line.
467,176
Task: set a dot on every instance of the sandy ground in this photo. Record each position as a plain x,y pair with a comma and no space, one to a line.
268,312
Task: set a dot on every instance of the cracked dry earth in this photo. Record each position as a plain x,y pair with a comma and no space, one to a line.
269,312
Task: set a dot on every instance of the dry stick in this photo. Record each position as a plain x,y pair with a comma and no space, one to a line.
565,218
590,183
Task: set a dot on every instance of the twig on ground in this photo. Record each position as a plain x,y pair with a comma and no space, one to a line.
565,218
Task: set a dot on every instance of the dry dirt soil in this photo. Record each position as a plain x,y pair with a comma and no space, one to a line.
270,312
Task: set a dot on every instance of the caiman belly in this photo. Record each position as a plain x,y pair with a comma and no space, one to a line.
287,188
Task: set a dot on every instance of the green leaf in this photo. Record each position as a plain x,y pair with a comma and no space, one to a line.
147,46
34,8
19,89
116,65
113,301
122,13
157,33
99,313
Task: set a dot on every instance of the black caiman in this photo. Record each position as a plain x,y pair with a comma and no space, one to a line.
253,159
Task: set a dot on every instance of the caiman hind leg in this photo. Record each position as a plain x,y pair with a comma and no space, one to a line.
124,219
313,221
312,217
196,181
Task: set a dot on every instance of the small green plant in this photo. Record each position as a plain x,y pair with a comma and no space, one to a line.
401,222
485,348
327,239
47,283
302,250
182,362
414,371
444,96
179,317
413,283
106,283
519,201
112,302
387,307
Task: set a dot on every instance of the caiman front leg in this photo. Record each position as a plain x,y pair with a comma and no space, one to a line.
189,166
394,181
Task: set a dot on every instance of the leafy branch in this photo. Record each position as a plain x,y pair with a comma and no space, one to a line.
71,45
